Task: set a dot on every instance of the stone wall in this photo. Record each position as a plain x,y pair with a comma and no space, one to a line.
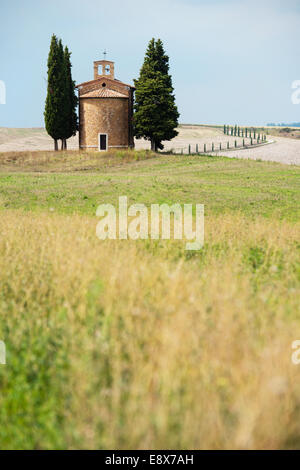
105,116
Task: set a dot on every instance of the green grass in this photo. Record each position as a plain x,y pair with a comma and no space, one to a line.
222,184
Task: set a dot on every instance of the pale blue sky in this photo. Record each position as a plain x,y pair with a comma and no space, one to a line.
232,61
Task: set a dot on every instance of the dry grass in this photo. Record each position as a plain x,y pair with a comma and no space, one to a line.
133,345
66,161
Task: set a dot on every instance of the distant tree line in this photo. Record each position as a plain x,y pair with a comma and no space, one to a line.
250,132
283,124
60,114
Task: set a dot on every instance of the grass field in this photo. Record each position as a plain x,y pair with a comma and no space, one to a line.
133,345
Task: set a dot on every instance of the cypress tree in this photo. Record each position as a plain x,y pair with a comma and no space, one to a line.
64,97
54,108
71,101
156,115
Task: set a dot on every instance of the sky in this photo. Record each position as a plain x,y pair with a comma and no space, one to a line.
232,61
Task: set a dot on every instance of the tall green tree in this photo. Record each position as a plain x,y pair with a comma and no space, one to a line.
156,115
61,101
71,101
64,96
55,101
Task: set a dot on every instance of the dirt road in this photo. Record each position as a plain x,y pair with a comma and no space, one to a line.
283,150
